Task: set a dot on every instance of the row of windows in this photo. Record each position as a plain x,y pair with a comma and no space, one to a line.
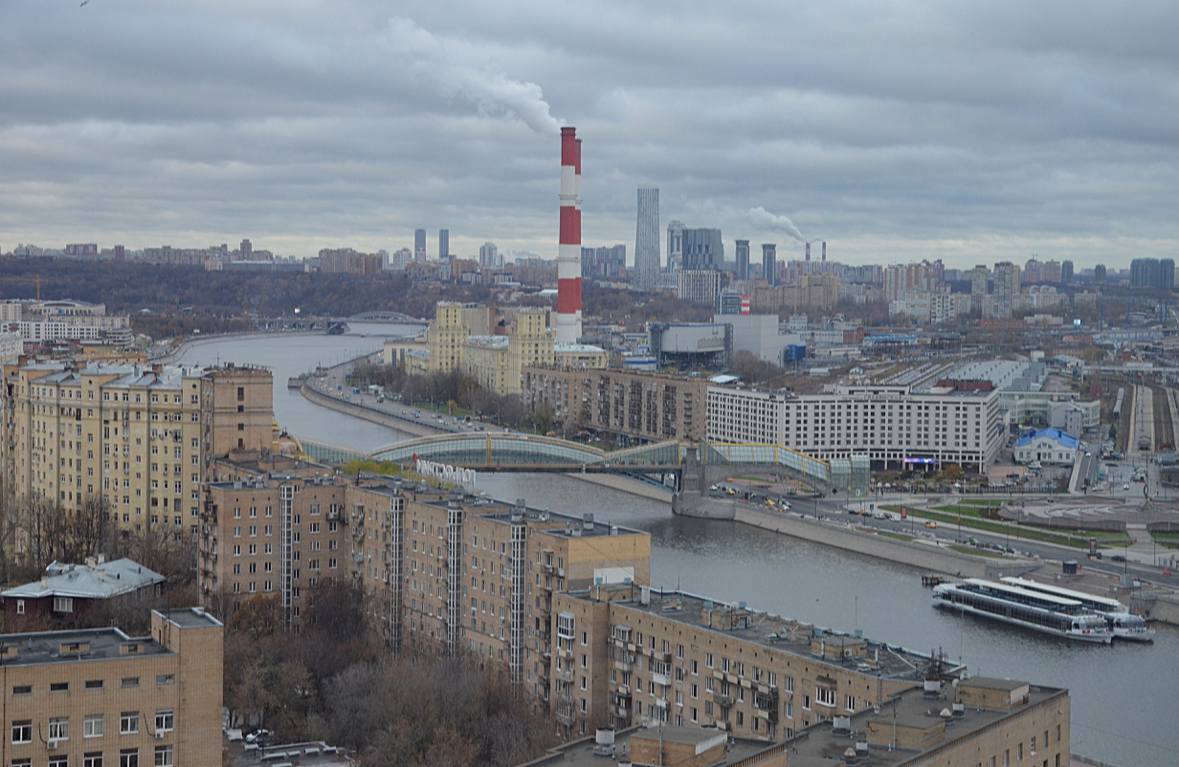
93,726
93,684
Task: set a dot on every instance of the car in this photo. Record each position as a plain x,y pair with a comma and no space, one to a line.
1118,558
714,488
880,514
931,525
730,491
1125,485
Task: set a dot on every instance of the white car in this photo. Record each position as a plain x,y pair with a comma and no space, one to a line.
1126,486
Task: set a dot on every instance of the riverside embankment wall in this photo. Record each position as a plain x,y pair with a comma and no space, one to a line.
919,555
408,425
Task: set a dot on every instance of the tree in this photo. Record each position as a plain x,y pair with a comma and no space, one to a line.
542,418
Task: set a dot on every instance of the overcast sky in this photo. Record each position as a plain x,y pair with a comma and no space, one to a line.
971,131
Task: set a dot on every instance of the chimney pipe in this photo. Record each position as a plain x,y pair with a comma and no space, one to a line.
824,251
808,251
568,328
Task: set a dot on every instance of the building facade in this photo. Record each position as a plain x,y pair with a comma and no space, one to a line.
644,406
700,285
141,437
893,426
647,259
98,696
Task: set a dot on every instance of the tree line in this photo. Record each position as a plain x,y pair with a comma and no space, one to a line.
453,387
335,680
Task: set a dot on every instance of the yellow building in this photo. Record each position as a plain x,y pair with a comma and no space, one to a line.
141,437
495,361
98,696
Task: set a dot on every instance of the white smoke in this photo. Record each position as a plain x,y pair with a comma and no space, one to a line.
493,91
766,220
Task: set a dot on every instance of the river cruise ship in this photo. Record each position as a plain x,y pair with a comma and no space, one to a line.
1118,618
1035,610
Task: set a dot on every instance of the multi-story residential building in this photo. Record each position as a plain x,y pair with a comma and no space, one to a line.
769,264
495,361
701,249
438,570
700,285
98,696
348,261
141,437
901,278
742,250
647,258
1006,288
893,425
643,406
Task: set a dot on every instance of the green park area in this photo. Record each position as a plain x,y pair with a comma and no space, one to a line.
982,515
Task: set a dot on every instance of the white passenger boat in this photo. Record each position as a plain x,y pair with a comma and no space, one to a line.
1035,610
1118,618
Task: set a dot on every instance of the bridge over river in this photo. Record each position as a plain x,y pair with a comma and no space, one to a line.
688,468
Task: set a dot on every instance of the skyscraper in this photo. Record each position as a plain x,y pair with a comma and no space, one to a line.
1006,288
675,245
419,244
702,249
443,244
1066,272
742,259
769,263
647,260
488,255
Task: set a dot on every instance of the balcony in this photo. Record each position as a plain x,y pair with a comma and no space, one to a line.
565,712
724,701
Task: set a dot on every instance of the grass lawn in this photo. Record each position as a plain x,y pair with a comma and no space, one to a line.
1170,540
976,552
894,536
974,522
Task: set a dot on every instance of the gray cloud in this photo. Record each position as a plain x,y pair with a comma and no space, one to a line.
966,131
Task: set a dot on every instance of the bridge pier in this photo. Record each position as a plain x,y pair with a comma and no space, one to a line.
693,499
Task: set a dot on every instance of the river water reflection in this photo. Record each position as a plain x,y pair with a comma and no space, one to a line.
1122,696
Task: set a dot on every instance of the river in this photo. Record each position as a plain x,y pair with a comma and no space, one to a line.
1120,709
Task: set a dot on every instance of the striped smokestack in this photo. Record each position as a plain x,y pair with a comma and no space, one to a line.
568,329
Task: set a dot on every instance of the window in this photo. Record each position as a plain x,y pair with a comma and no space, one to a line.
163,756
59,687
92,759
806,702
165,679
129,723
130,681
22,731
93,684
59,728
62,760
20,607
165,719
92,726
129,757
63,604
27,689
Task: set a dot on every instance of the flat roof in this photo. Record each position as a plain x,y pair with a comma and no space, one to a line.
44,647
992,683
911,709
783,634
580,753
189,618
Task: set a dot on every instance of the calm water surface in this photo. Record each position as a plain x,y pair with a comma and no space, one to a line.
1123,697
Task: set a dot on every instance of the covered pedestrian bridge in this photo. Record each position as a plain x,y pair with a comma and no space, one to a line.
689,463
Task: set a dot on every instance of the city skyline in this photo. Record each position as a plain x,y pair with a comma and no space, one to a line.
319,126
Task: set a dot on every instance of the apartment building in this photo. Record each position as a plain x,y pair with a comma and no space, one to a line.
629,655
894,426
495,361
97,696
643,406
141,437
439,570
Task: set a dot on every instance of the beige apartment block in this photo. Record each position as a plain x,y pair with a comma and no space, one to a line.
141,437
446,571
100,697
646,406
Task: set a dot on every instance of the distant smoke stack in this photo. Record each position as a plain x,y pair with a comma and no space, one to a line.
568,328
824,251
808,251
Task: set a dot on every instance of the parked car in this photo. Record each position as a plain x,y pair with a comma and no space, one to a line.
931,525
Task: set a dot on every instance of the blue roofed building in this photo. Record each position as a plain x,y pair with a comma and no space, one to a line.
1047,446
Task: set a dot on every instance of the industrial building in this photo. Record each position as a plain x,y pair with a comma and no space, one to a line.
621,403
896,427
691,345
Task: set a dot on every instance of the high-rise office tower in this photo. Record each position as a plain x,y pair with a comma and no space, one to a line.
702,249
443,244
647,260
742,259
568,329
1066,272
769,263
675,245
419,244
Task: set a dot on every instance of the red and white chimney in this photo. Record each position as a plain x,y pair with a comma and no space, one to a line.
568,329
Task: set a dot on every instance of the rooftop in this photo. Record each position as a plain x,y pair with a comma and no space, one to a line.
189,618
785,634
93,580
581,753
1064,438
931,721
309,754
79,645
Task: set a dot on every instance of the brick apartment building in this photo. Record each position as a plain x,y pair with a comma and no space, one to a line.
99,697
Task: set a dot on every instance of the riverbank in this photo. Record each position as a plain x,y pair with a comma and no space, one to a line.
412,426
193,341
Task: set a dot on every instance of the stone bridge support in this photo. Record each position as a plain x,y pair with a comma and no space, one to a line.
694,500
